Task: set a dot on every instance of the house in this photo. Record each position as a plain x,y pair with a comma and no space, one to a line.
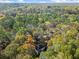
2,14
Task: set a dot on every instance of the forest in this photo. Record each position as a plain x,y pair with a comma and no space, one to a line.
39,31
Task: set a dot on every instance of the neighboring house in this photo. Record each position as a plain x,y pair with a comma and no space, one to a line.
2,14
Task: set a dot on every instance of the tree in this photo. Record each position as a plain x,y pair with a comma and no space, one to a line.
11,51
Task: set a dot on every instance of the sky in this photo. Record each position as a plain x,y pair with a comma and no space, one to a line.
39,1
